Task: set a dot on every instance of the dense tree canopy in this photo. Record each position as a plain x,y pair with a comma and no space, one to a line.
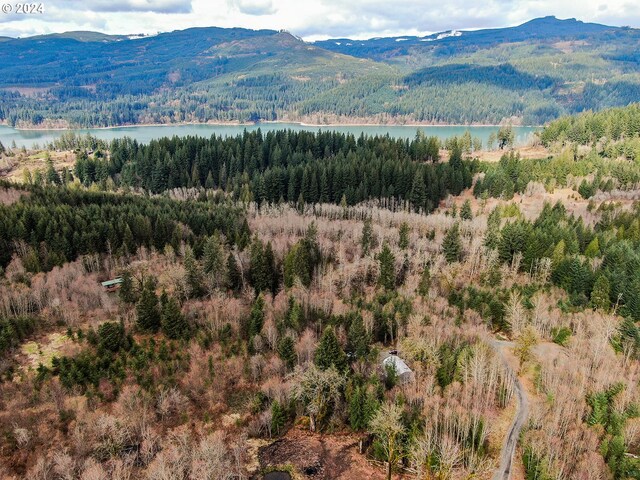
59,224
286,165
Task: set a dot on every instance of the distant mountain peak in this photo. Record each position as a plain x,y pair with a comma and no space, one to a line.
568,25
82,36
550,18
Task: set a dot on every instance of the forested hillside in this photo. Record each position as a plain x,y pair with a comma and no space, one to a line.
546,28
527,74
612,132
53,226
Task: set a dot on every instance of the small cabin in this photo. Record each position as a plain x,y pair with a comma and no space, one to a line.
405,374
112,285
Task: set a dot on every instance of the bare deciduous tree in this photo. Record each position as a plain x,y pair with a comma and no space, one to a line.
387,425
317,390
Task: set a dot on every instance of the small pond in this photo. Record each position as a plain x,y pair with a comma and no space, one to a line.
277,476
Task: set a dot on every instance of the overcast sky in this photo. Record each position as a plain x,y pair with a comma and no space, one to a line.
310,19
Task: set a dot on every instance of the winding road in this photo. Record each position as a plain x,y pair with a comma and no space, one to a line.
511,440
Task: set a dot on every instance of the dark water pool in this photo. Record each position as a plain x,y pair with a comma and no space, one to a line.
277,476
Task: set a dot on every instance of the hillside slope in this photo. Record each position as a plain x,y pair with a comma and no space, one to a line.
261,279
528,74
455,41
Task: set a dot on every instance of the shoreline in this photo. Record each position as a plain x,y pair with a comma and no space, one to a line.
274,122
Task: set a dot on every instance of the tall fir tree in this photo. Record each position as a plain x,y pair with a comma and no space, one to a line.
271,271
403,233
329,352
324,187
418,192
366,240
213,259
112,336
256,317
234,275
173,323
452,245
51,175
492,236
387,264
362,406
600,294
296,266
278,418
148,313
287,352
261,267
209,184
303,259
465,211
193,275
295,316
358,339
593,249
127,292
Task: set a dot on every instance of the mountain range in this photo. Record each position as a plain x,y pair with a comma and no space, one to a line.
527,74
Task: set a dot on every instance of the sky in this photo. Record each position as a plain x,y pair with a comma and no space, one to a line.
309,19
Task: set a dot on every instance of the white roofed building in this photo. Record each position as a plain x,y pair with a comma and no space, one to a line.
405,374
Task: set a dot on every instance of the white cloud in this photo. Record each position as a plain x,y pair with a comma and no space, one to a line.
158,6
309,19
254,7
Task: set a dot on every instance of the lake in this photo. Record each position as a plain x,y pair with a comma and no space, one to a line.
144,134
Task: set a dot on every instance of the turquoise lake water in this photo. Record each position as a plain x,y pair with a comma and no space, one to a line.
31,138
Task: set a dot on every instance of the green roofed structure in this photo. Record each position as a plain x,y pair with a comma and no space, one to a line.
113,284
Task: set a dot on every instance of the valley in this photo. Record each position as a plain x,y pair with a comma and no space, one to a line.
523,75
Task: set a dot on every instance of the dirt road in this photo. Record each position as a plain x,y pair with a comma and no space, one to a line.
511,440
